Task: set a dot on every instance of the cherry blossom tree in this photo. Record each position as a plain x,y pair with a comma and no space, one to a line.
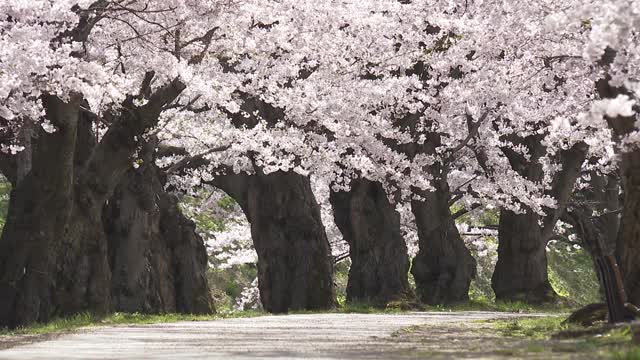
81,74
107,105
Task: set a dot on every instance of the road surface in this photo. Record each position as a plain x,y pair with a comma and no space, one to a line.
312,336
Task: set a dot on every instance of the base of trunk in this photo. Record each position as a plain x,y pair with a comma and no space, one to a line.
379,260
444,267
158,261
294,259
521,271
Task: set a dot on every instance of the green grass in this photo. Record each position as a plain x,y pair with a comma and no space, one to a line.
534,328
630,354
85,319
473,305
546,327
363,308
542,332
501,306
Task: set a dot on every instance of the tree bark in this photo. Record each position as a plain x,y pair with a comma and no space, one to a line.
294,258
630,226
444,267
158,260
371,226
521,271
53,250
84,277
596,235
39,208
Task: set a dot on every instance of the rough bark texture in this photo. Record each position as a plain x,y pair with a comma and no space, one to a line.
521,271
294,258
443,268
54,251
39,208
371,226
630,226
158,260
295,268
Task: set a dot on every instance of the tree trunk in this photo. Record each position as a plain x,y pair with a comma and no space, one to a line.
158,261
521,270
629,236
596,235
294,258
371,226
443,268
53,250
630,226
39,208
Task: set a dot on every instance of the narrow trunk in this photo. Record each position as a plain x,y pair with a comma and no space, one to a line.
443,268
294,258
596,236
371,226
521,270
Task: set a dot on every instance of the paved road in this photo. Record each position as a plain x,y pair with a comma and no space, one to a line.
313,336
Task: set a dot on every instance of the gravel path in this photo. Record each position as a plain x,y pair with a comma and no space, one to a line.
313,336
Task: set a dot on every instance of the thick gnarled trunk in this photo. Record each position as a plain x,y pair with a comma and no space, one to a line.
39,209
521,270
158,260
53,250
294,258
444,267
371,226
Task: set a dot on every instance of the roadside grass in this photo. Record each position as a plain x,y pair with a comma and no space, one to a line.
403,306
87,320
551,333
629,354
400,307
503,306
534,328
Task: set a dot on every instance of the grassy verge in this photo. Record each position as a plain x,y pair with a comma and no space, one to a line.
473,305
503,306
553,334
534,328
84,320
